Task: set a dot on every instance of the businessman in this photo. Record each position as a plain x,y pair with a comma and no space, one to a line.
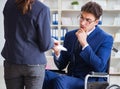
88,49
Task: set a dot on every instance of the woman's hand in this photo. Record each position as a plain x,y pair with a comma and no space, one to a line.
55,48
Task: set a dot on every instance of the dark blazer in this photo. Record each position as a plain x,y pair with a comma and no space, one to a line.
27,36
93,58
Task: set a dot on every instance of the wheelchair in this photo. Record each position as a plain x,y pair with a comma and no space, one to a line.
98,84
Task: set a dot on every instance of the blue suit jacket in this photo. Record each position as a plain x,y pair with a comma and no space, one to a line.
93,58
27,36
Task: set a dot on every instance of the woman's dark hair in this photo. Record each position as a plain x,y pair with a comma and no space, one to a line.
24,5
93,8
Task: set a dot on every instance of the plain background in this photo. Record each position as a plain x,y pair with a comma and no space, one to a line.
2,83
2,3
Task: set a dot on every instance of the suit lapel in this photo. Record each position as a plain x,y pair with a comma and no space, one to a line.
95,39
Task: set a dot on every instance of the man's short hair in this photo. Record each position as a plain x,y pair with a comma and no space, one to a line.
93,8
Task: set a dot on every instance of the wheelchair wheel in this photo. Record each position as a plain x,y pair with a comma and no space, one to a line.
113,86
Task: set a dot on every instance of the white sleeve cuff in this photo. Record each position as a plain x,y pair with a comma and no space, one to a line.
57,56
84,47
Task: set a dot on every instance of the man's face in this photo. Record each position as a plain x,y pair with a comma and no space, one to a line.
87,21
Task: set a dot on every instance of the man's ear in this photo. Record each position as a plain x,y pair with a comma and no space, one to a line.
96,22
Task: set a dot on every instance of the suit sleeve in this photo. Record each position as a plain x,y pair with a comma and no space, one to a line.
65,56
44,30
99,59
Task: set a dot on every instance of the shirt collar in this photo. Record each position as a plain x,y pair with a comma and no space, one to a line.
88,33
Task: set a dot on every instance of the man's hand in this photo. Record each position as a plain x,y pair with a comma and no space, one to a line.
82,37
55,48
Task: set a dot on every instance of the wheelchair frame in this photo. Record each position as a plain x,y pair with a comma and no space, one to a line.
96,74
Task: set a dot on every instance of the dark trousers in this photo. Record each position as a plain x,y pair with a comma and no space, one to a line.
61,81
19,76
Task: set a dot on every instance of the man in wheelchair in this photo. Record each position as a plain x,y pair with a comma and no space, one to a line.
88,49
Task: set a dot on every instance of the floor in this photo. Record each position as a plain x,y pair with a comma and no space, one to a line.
2,83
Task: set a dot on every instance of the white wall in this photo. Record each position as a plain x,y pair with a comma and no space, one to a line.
115,80
2,3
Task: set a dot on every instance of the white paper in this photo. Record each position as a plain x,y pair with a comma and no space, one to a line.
60,47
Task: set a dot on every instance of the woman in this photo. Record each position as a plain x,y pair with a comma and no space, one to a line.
27,37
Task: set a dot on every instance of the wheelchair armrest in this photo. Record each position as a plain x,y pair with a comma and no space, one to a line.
96,74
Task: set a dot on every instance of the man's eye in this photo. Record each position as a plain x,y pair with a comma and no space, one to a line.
88,20
81,17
